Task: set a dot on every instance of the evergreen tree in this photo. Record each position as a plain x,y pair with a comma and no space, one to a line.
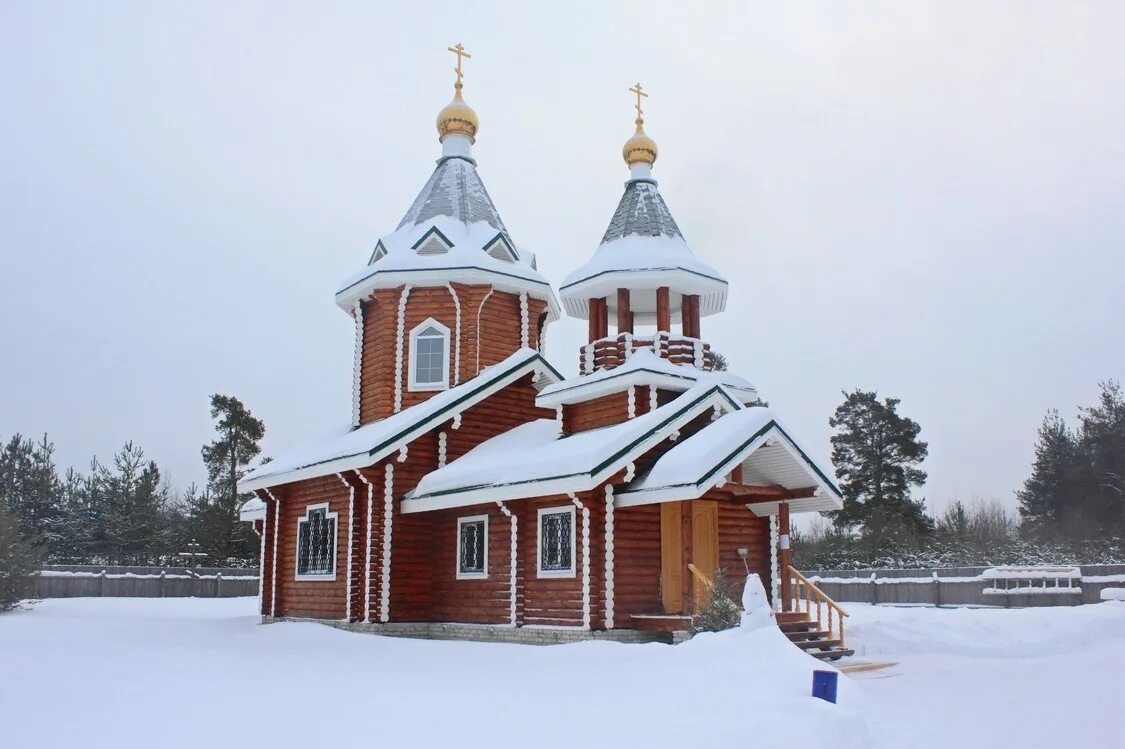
227,458
132,522
29,486
1054,477
20,560
1101,439
875,452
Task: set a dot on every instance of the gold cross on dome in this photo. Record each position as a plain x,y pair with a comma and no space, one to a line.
459,50
639,92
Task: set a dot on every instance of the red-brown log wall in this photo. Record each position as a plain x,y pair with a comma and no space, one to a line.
319,599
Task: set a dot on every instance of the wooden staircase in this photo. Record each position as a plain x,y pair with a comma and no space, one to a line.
811,620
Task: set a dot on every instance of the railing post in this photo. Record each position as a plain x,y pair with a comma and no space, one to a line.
784,554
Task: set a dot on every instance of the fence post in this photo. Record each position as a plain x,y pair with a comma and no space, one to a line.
101,583
218,585
161,583
874,590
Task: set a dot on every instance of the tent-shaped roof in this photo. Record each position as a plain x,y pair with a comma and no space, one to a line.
348,449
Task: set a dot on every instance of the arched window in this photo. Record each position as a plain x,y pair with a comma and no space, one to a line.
429,356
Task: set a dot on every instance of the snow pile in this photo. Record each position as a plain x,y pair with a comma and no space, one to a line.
1113,594
756,611
982,632
114,672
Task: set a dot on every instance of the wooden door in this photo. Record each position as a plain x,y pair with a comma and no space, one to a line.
672,563
704,543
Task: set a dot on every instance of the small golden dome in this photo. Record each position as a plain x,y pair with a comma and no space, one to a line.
640,149
457,117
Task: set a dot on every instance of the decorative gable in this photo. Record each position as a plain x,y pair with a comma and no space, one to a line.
501,249
379,253
433,242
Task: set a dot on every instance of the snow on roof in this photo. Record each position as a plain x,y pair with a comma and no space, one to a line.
456,205
252,509
643,241
535,460
346,449
641,368
751,437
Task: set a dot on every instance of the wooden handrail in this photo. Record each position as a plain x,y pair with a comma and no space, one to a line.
806,595
701,577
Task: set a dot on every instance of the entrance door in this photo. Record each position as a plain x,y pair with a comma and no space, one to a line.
704,544
673,566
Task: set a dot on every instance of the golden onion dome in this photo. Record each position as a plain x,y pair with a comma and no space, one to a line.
457,117
640,149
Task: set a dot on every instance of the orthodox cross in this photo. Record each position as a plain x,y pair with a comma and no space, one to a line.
639,92
459,50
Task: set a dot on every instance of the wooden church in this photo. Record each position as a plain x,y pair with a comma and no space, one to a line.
476,492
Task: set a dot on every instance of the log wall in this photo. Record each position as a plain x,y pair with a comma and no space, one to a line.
319,599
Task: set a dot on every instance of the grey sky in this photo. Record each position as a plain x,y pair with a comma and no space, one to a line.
924,199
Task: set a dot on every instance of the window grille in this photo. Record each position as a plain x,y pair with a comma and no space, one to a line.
472,547
556,542
429,356
316,543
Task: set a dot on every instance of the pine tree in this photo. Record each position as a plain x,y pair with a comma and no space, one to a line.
132,517
29,485
1054,477
876,452
20,560
227,459
1101,438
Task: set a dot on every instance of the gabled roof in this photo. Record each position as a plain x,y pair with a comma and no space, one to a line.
750,437
643,367
534,460
357,448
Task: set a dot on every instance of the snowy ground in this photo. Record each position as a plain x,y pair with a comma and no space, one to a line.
128,673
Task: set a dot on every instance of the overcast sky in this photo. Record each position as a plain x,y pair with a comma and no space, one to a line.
927,200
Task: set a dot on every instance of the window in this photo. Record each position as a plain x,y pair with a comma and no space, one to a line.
556,542
472,547
429,356
316,544
500,249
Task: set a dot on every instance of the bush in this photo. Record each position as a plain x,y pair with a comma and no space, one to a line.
20,561
719,611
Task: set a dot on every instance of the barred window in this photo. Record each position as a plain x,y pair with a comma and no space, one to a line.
472,547
316,543
556,542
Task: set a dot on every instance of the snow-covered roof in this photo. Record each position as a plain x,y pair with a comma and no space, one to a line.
750,437
534,459
643,367
643,249
347,449
252,509
446,236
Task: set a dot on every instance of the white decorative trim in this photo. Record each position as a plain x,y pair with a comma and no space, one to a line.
403,452
262,562
276,533
697,350
775,575
457,335
609,556
630,472
415,333
512,561
525,325
480,310
388,521
559,418
458,574
357,312
716,413
573,571
628,339
588,358
330,516
675,435
400,334
653,394
367,556
457,420
585,560
351,542
632,408
442,448
543,339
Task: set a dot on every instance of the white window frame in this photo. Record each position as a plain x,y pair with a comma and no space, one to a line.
413,380
573,571
331,517
461,522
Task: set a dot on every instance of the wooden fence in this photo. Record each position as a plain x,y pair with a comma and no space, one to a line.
967,586
75,581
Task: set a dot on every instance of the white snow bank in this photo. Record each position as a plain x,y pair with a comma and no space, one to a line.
122,668
1113,594
982,632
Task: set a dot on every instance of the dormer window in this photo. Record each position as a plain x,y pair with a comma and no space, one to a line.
501,249
429,356
379,253
433,242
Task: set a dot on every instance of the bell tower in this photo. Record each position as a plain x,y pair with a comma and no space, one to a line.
643,278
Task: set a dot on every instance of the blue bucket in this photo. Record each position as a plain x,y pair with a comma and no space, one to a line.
824,685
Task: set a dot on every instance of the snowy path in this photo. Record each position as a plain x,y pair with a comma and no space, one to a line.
126,673
1043,677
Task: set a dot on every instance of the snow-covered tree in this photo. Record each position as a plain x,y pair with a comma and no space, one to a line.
29,486
227,459
20,560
